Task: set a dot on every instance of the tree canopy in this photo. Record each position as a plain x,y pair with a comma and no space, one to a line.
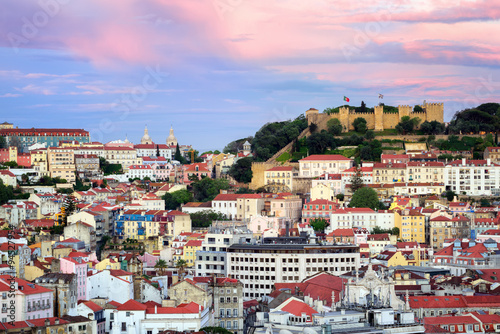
175,199
241,171
360,125
365,198
407,124
334,126
207,189
318,224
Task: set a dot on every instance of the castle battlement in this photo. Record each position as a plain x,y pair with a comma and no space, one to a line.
379,119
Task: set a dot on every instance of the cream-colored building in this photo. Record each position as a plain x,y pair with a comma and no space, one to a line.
280,175
430,171
389,173
317,165
286,206
107,264
322,191
124,156
61,163
187,291
249,206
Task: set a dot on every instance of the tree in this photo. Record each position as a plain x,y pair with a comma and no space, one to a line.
407,124
175,199
356,180
318,142
157,150
485,203
241,171
370,135
181,265
205,218
313,127
450,195
340,197
360,125
318,224
362,109
70,205
178,155
334,126
161,265
215,330
206,189
395,231
365,198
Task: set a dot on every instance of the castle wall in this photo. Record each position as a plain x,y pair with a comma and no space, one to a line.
378,120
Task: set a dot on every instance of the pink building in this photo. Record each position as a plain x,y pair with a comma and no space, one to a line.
148,260
198,169
79,267
31,301
162,171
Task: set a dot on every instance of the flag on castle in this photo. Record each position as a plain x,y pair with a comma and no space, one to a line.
346,99
380,96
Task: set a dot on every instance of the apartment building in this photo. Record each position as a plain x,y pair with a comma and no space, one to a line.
61,163
411,224
211,259
259,266
317,165
443,228
389,172
228,304
473,177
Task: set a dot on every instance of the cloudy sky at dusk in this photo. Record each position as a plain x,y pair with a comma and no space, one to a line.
217,70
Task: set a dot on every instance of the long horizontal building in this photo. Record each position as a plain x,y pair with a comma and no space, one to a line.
51,137
259,266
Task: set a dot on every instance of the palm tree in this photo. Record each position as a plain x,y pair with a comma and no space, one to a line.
181,264
161,265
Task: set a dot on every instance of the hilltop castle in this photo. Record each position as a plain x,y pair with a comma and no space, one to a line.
377,120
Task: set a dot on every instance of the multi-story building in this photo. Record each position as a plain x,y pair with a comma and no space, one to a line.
138,224
228,304
365,173
154,150
87,165
284,205
39,161
280,176
249,206
50,137
65,292
140,172
28,301
411,224
389,172
226,204
492,153
443,228
77,266
259,266
211,259
61,163
124,156
361,218
318,209
473,177
425,172
326,186
316,165
395,158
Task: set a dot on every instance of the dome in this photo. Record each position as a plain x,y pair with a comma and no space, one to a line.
146,139
171,140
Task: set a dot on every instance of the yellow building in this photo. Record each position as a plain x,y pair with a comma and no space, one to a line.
442,228
39,161
108,264
411,224
392,258
423,172
61,163
281,176
389,172
187,291
189,251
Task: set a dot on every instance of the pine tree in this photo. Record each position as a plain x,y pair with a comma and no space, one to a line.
356,180
178,155
157,150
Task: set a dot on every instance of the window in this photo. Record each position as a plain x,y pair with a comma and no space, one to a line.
452,328
111,316
235,312
149,332
124,327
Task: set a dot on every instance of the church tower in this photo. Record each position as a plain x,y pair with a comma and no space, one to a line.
146,139
171,140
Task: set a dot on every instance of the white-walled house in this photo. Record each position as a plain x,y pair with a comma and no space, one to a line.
112,284
226,204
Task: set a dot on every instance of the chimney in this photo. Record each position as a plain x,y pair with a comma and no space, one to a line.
156,310
488,162
464,161
287,229
47,322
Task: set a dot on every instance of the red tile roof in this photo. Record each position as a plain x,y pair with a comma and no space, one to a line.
297,307
131,305
91,305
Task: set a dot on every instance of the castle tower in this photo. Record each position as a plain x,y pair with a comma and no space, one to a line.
146,139
344,119
434,112
312,115
247,148
171,140
379,118
404,111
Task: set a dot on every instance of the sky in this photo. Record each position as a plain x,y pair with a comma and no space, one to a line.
218,70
